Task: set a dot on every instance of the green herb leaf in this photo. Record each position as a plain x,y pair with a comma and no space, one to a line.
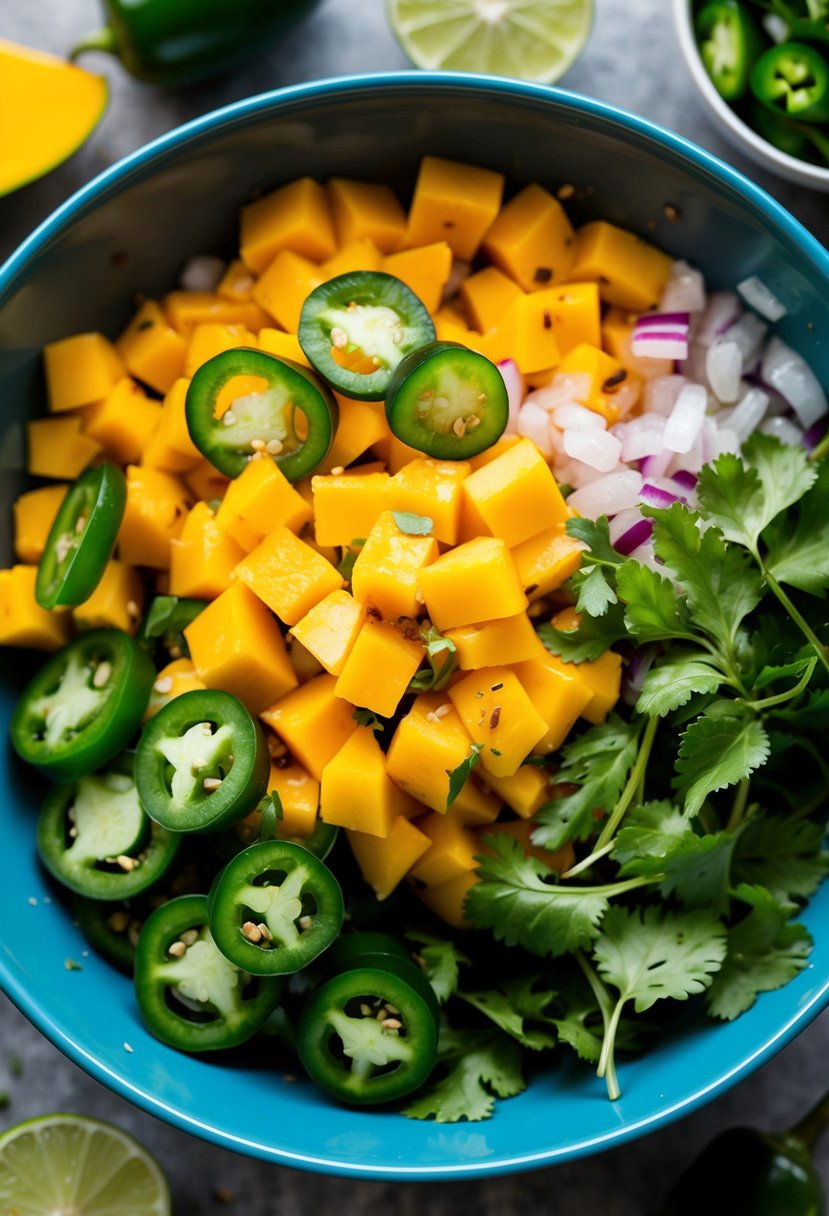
718,749
413,525
764,953
367,717
442,659
458,776
651,832
350,555
271,812
517,901
673,680
799,555
594,635
595,534
441,961
477,1067
520,1008
599,762
782,854
654,612
697,870
594,593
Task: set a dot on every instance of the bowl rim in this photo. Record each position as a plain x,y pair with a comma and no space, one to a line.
222,121
794,169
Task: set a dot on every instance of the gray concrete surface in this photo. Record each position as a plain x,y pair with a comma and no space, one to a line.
632,60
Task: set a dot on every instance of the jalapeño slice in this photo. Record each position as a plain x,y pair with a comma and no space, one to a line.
201,763
82,538
274,908
190,996
294,418
447,401
356,328
84,705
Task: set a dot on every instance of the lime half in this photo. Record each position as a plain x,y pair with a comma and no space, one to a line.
66,1165
531,39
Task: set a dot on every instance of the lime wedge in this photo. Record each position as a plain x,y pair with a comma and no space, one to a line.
531,39
66,1165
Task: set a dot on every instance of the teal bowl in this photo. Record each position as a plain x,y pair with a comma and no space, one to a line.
130,231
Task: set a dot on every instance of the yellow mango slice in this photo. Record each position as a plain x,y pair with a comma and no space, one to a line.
50,107
80,370
185,310
524,791
157,505
358,254
559,696
151,349
203,557
475,581
124,422
630,272
360,425
486,296
430,741
34,514
296,216
575,313
451,853
386,571
431,488
312,722
288,575
330,629
22,620
355,792
171,447
604,373
347,507
366,211
236,282
516,494
545,561
493,643
299,794
380,665
453,202
209,339
532,239
115,603
57,448
425,270
385,861
284,287
499,714
257,500
284,346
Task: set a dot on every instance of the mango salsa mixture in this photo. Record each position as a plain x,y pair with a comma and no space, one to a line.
339,628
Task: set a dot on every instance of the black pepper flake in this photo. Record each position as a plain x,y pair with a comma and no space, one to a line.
532,587
548,320
373,613
612,382
495,717
543,274
496,687
449,223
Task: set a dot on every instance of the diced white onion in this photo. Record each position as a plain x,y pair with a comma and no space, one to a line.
685,422
661,394
725,440
642,436
607,495
755,292
514,384
534,423
562,390
202,273
748,332
722,310
578,418
747,414
646,556
786,371
684,291
596,448
724,368
783,429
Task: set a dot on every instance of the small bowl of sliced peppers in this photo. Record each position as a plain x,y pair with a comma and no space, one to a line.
762,67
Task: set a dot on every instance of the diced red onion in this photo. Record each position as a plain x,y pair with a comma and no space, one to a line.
684,291
621,521
641,436
607,495
656,466
514,383
755,292
685,479
662,320
814,434
596,448
577,418
638,534
685,422
661,394
784,430
747,415
661,336
786,371
724,368
722,310
534,423
202,273
654,496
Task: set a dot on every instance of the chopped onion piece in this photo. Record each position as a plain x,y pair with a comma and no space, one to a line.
656,466
684,291
534,424
661,394
661,336
621,521
722,310
685,422
202,273
748,332
596,448
814,434
787,372
638,534
646,556
563,390
784,430
724,368
655,496
747,414
578,418
755,292
514,383
642,436
725,440
574,473
640,664
607,495
685,479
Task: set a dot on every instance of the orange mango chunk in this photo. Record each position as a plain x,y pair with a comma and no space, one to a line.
57,448
361,424
451,853
493,643
171,447
209,339
472,582
347,507
386,571
359,254
425,270
284,286
312,722
34,514
157,505
516,494
498,714
431,488
115,603
453,202
385,861
187,309
630,272
80,370
257,500
299,794
355,792
203,557
525,791
366,211
330,630
486,296
532,240
559,696
296,216
22,620
546,561
284,346
124,422
429,743
603,371
380,665
236,282
447,901
288,575
151,349
574,311
173,680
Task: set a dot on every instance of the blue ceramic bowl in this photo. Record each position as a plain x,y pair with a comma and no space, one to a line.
180,196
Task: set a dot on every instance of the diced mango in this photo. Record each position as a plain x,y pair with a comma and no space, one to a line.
157,505
559,697
330,629
312,722
171,448
545,561
393,453
22,620
284,346
475,806
387,568
575,313
499,714
361,424
447,901
525,334
203,557
355,792
603,676
603,371
288,575
385,861
451,326
558,860
616,334
524,791
236,645
259,499
299,794
424,270
486,296
186,309
205,481
210,339
380,665
306,666
532,240
347,507
453,202
296,216
496,643
451,853
284,286
80,370
57,448
151,349
630,272
115,603
237,282
360,254
124,422
176,678
431,488
34,514
492,453
475,581
429,743
516,494
366,211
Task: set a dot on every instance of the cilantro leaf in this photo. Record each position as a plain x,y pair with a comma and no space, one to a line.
517,901
458,776
594,593
783,854
442,659
412,524
599,762
769,675
654,612
441,961
651,831
799,555
697,870
764,953
673,680
270,811
720,748
743,496
367,717
350,554
594,635
520,1008
476,1066
595,534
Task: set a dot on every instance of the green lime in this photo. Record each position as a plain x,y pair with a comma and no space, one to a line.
531,39
66,1165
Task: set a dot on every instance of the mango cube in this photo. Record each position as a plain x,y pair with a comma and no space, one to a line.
360,425
57,448
257,500
355,792
547,560
575,312
366,211
34,514
499,714
288,575
486,296
359,254
474,581
447,901
284,346
493,643
203,557
236,645
525,791
170,447
115,603
157,505
236,282
603,372
431,488
151,349
385,861
299,794
475,806
558,695
429,743
210,339
516,494
173,680
453,202
524,333
347,507
22,620
424,270
296,216
380,665
393,453
205,481
451,853
630,272
492,453
387,568
312,722
330,630
284,286
80,370
532,240
124,422
186,310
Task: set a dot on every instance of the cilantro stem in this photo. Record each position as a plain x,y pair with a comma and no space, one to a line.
586,862
605,1005
628,793
783,697
607,1060
739,807
817,453
802,624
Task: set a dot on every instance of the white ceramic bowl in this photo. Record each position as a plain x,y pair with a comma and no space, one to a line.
738,133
